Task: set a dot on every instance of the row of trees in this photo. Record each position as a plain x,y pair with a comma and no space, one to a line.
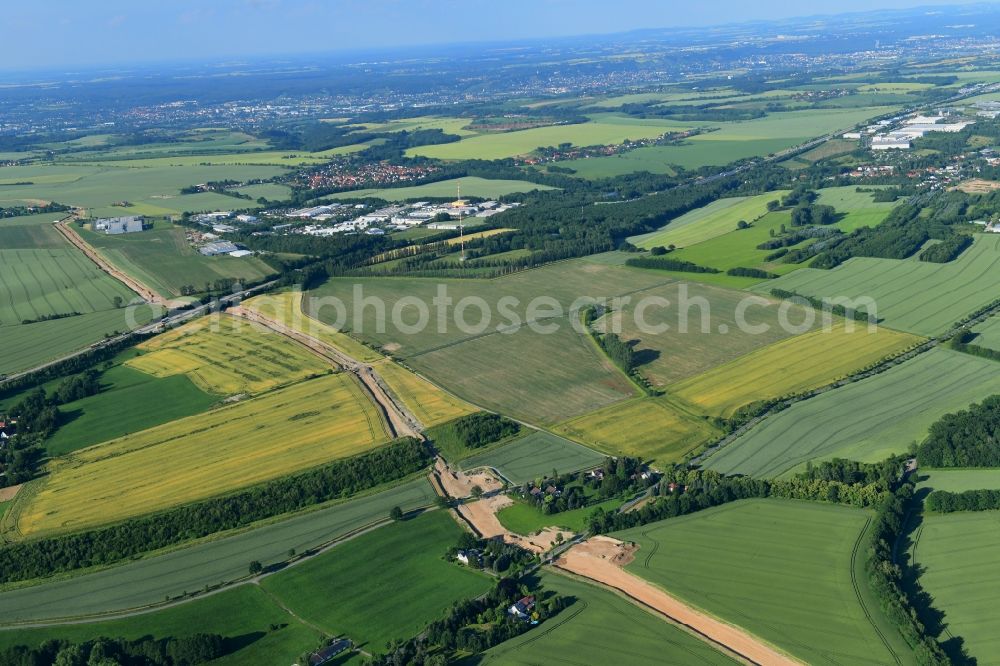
146,651
968,438
947,250
681,492
943,501
35,559
668,264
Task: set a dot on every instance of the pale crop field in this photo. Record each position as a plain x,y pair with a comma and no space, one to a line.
226,355
866,420
860,209
989,333
960,480
305,425
648,428
286,309
431,405
910,295
790,366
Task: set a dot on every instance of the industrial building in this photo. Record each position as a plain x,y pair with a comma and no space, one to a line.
120,225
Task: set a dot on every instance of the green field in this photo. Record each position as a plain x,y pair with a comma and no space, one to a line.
547,378
602,129
32,232
385,585
523,518
245,614
129,401
151,190
601,627
272,191
959,480
535,456
866,420
988,333
910,295
860,210
783,570
164,261
957,556
717,218
149,581
791,366
25,346
39,283
472,186
733,141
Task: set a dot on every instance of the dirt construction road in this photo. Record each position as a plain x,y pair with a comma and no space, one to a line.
145,292
600,559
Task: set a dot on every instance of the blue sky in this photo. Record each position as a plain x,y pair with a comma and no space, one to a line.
66,33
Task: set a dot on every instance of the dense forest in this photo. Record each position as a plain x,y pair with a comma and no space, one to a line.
969,438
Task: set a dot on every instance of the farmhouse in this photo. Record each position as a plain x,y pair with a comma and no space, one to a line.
113,226
522,607
468,557
329,652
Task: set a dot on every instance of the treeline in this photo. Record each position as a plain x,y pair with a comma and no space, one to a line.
824,305
741,271
968,438
885,577
681,492
619,351
946,250
38,416
146,651
343,478
18,211
668,264
943,501
473,626
482,428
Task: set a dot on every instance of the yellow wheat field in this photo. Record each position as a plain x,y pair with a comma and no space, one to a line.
650,428
428,403
790,366
226,355
281,432
286,309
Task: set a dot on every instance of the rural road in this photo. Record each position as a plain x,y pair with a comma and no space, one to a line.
598,560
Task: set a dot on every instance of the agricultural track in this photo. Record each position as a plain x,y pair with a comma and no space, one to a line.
74,238
401,421
856,584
